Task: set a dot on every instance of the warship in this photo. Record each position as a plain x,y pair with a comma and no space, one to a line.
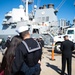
42,20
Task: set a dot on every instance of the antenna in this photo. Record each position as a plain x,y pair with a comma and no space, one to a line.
74,3
26,6
23,1
60,5
38,3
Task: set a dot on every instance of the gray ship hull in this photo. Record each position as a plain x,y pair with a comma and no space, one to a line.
9,32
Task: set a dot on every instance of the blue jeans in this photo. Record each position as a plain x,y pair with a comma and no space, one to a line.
35,70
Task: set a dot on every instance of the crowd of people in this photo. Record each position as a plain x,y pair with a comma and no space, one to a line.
23,54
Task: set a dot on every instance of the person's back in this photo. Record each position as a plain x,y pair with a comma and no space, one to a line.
28,55
67,48
32,50
7,44
41,41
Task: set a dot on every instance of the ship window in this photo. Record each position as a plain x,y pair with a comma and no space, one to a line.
35,31
14,26
70,32
43,18
29,29
47,18
39,19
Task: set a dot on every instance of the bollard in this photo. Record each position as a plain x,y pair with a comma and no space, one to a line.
52,55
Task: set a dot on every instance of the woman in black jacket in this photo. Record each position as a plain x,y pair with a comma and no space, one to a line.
9,55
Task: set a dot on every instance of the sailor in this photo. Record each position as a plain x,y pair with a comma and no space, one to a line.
67,47
27,54
41,41
3,43
7,44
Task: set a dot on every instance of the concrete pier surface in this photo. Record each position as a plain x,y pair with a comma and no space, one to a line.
51,67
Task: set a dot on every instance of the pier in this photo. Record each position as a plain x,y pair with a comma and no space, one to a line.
52,67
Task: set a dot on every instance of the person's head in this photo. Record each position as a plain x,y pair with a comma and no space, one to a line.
23,32
40,37
3,40
65,37
15,40
9,37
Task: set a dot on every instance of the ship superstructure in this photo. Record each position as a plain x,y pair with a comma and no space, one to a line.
12,21
46,13
46,16
14,16
44,21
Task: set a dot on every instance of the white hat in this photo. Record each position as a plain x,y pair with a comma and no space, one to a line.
40,37
9,36
22,29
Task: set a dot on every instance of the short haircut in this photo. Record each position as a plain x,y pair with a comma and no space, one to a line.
65,36
25,33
